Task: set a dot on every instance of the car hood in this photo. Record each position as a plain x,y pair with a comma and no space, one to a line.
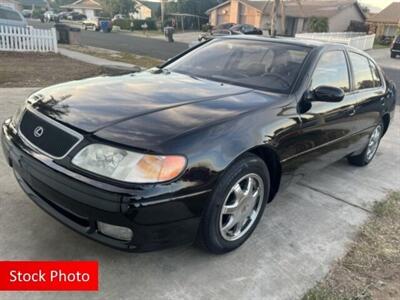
146,110
96,103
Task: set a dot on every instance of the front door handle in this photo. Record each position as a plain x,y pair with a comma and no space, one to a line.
352,110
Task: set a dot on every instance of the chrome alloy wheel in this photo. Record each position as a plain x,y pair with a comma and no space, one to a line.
241,207
373,142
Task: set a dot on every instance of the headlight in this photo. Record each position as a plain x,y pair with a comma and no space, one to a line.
123,165
16,118
17,115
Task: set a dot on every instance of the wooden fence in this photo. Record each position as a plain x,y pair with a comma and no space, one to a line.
23,39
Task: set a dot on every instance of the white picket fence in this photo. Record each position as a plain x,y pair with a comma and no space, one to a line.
28,39
356,39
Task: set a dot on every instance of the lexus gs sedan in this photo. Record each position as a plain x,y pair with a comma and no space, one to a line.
193,150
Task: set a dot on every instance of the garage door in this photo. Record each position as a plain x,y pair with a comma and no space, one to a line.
222,18
247,15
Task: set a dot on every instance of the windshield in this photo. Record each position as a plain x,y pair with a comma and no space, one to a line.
257,64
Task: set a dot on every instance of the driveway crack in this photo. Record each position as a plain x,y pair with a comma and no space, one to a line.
335,197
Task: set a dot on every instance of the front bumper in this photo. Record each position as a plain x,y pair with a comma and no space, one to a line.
163,222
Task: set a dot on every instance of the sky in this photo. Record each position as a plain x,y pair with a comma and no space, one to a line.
377,3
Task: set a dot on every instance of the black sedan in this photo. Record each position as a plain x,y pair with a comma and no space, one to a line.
246,29
196,148
395,47
224,30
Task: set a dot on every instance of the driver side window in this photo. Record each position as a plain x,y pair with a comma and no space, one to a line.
332,71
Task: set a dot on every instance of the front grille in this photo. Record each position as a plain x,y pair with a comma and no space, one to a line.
46,135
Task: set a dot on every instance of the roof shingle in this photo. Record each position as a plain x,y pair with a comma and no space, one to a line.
390,14
317,8
89,4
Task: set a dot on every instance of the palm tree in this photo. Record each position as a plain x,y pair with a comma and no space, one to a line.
276,6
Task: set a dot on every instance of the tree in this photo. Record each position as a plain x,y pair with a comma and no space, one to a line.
113,7
365,9
318,24
195,7
56,4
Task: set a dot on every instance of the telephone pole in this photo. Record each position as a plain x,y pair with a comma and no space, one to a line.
162,13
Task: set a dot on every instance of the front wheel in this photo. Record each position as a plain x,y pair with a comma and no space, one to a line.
370,150
236,205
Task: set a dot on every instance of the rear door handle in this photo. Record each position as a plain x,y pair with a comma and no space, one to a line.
352,110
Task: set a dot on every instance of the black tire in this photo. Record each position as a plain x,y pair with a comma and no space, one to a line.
364,159
392,55
210,236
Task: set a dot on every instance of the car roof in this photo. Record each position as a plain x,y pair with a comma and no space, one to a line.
321,45
285,40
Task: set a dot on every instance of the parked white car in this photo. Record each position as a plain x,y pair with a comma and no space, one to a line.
11,17
49,16
118,17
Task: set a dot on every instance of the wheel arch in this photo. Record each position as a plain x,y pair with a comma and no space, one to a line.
386,122
271,159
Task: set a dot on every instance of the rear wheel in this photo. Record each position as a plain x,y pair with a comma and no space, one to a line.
236,205
370,150
392,55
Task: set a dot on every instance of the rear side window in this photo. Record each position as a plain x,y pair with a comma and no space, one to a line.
332,71
9,15
375,75
362,71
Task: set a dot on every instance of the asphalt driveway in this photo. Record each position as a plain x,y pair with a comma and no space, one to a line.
302,232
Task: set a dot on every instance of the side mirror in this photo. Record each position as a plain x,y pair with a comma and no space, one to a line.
325,93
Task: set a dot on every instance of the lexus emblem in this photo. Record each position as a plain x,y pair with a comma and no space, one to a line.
38,132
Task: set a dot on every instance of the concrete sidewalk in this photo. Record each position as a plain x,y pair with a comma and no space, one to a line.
98,61
303,231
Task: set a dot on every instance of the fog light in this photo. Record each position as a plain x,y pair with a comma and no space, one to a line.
114,231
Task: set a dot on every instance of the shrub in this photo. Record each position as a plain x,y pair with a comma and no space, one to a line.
36,13
317,24
383,40
206,27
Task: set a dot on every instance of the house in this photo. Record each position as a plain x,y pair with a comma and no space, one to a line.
90,8
387,22
146,9
296,19
14,4
32,4
25,4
